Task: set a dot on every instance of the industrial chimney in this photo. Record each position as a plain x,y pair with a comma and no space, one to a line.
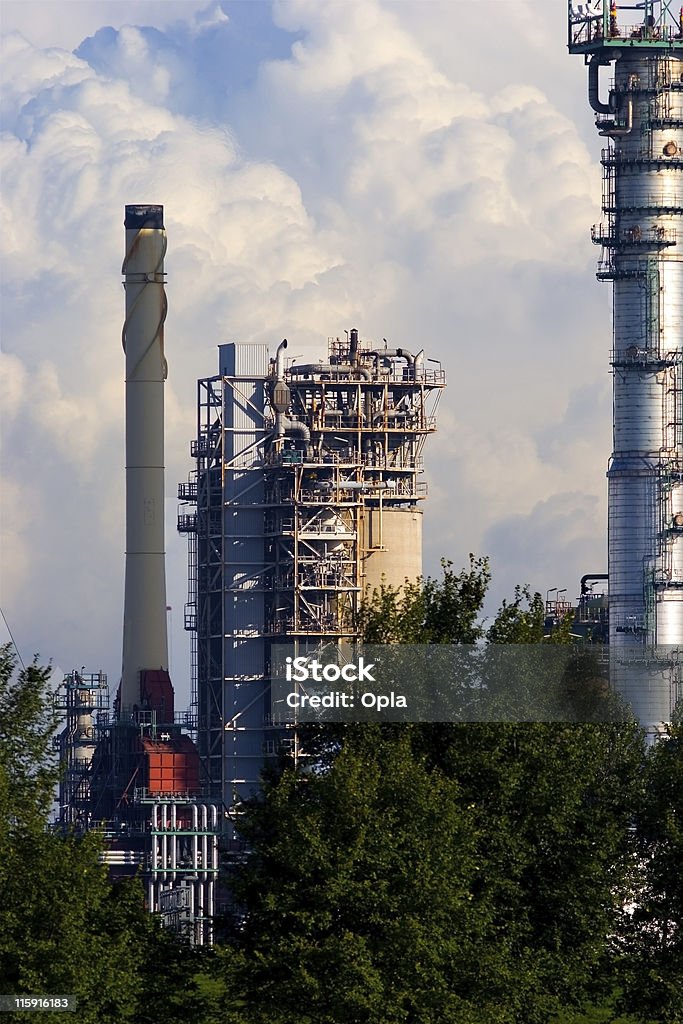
144,677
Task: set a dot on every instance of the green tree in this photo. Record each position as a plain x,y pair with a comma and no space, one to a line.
653,931
64,928
520,621
429,611
553,805
536,816
28,769
357,894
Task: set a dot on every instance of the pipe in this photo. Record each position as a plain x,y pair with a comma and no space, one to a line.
318,368
356,485
280,360
391,414
353,347
591,576
155,839
391,353
403,353
286,425
594,65
174,845
613,133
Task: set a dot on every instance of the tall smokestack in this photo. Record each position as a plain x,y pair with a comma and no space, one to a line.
145,641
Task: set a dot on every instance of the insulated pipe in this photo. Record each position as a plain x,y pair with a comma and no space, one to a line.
286,425
356,485
145,642
403,353
390,353
280,360
614,133
155,837
318,368
594,65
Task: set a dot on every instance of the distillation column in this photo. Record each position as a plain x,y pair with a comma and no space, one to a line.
642,119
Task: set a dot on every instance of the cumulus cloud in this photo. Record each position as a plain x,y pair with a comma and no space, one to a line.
321,167
557,531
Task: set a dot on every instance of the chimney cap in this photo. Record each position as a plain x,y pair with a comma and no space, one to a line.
144,216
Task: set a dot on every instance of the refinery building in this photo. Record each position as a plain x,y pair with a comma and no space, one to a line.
306,495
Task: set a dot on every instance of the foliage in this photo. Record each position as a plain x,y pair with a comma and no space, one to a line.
653,932
529,856
429,611
64,928
422,873
28,768
553,806
520,621
437,873
354,911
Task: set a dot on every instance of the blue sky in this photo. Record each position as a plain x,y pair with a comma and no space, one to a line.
425,171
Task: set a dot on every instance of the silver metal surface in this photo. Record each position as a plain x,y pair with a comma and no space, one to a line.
642,241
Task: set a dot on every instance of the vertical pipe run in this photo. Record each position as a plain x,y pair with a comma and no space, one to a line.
195,839
145,643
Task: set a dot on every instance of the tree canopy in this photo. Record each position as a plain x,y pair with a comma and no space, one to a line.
65,929
524,831
488,873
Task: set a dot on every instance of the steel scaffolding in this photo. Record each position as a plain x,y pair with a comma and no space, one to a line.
307,496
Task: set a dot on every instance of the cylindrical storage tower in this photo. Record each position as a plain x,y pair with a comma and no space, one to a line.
391,547
641,117
145,643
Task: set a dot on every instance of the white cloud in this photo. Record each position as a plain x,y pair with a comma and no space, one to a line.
49,24
558,532
335,169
